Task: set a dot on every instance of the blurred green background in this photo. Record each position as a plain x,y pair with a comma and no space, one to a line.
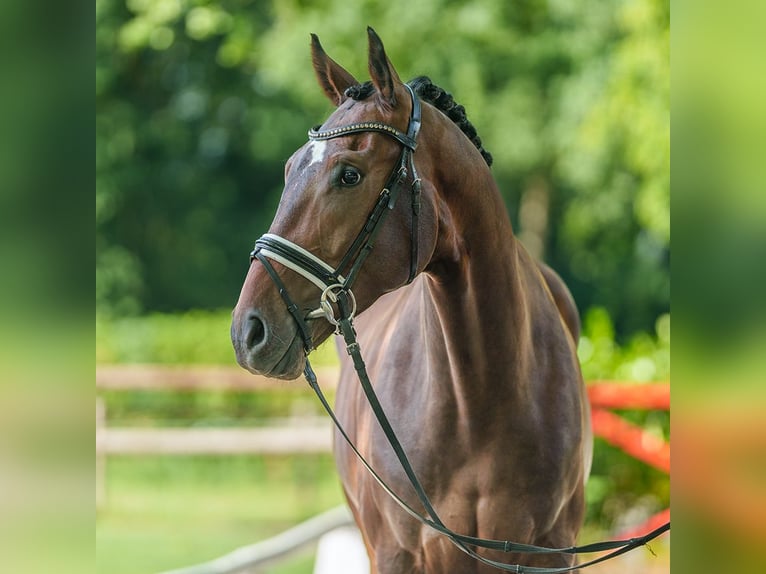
200,103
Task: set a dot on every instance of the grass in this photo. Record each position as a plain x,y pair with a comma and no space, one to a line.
163,513
167,512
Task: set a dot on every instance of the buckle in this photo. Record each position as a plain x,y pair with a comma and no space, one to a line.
330,296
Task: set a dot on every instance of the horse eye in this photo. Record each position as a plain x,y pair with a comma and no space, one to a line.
350,177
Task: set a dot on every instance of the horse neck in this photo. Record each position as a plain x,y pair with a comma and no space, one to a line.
480,290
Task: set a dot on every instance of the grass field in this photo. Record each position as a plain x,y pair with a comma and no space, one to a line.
167,512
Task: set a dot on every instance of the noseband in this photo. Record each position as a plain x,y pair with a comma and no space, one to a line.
336,287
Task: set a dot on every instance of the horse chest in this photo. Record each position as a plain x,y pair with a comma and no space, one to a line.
458,458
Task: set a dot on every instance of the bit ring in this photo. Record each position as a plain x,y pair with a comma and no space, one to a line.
329,295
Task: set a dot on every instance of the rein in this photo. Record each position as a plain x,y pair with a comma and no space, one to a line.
336,290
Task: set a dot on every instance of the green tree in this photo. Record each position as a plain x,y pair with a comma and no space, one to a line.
200,104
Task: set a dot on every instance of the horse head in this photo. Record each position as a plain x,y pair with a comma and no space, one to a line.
357,168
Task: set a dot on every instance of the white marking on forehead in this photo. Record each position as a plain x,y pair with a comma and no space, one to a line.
317,151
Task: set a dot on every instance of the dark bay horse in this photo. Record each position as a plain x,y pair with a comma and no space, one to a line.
469,342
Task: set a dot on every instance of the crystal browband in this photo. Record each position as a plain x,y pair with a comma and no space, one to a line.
316,134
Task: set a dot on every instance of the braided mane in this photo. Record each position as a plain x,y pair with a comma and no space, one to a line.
440,99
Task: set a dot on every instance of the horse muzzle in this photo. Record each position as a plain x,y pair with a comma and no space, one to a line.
266,348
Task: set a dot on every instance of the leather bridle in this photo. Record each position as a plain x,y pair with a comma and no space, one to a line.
333,281
336,289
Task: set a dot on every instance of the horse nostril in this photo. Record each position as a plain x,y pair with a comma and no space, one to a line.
256,331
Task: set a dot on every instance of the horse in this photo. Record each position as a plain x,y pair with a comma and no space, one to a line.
469,342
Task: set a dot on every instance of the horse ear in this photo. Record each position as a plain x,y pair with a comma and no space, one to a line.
331,76
382,72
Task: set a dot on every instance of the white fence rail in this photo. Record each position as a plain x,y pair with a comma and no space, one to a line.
276,436
197,377
301,439
276,548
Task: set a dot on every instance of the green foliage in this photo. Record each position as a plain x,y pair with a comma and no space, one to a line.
195,337
199,104
177,163
643,358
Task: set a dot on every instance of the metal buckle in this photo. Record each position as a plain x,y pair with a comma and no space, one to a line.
326,306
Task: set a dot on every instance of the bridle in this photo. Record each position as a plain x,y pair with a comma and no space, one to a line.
336,289
332,281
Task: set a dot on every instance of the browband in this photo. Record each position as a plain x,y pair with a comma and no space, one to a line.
409,142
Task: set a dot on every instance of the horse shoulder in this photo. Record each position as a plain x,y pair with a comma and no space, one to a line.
563,299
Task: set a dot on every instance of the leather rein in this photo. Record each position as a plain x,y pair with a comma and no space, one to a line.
337,294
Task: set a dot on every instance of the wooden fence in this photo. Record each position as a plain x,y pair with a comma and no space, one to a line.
300,435
314,435
279,436
267,552
290,436
276,436
194,378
